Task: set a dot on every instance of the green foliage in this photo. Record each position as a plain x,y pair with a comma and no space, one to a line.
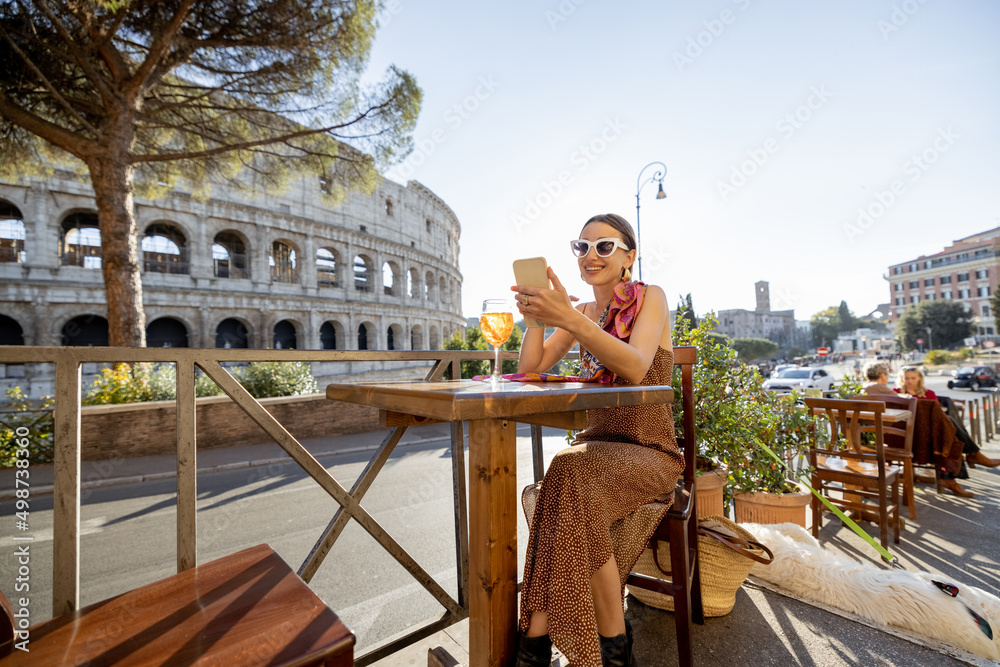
850,386
733,413
133,384
271,379
966,353
826,324
473,340
25,420
143,382
752,349
948,321
685,310
513,344
935,357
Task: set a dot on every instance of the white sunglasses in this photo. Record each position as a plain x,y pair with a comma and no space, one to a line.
605,247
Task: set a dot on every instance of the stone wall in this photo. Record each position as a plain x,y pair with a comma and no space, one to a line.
146,429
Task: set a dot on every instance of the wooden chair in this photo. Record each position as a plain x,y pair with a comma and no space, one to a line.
679,526
846,467
247,608
902,454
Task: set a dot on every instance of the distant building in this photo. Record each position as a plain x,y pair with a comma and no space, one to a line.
966,271
762,322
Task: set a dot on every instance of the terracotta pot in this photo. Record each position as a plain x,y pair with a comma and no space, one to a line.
772,508
708,488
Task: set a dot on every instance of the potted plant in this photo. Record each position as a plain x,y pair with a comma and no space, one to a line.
734,414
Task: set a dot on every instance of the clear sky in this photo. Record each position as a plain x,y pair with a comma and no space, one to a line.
778,121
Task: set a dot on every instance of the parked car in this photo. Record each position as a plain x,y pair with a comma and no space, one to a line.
973,377
799,379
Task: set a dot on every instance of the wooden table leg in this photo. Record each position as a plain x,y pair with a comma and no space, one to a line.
492,541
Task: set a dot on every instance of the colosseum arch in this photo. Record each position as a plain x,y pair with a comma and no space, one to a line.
165,250
434,339
232,333
166,332
413,284
230,255
417,337
285,335
80,241
443,290
394,338
364,273
327,267
391,276
283,260
11,332
85,331
11,233
367,336
331,336
429,286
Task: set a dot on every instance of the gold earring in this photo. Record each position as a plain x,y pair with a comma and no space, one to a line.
626,274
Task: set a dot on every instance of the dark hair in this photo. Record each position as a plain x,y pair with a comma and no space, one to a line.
619,223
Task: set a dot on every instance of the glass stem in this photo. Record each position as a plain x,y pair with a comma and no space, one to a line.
496,364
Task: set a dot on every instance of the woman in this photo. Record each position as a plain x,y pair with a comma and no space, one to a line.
573,590
878,378
911,381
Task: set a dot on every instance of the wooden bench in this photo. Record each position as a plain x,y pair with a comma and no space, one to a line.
248,608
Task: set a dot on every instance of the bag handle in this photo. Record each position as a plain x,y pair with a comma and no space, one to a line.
708,532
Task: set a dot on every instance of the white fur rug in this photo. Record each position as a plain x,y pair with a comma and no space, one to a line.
895,598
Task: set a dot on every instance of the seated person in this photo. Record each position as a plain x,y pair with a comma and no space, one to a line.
877,373
911,381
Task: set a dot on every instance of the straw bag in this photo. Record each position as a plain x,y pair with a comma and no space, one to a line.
726,553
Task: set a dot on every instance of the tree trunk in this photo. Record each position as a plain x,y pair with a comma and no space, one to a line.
112,177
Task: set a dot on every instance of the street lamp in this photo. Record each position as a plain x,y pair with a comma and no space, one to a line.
658,175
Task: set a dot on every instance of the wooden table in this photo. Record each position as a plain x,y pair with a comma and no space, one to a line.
493,488
890,416
248,608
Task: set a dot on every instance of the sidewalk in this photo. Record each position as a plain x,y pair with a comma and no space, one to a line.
955,537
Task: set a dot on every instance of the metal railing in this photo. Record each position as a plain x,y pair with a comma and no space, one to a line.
67,464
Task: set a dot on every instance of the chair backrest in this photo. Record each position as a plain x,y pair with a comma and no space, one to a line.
901,403
846,419
851,418
685,357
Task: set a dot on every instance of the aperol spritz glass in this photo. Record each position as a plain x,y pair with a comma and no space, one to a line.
496,323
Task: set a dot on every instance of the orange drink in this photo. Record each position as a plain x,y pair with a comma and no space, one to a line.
496,327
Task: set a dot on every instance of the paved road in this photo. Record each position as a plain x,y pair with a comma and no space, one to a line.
128,533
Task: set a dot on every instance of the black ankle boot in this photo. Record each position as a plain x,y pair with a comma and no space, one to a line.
617,651
533,651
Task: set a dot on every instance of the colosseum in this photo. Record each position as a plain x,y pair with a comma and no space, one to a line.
377,272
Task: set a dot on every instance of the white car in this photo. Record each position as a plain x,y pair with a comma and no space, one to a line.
799,379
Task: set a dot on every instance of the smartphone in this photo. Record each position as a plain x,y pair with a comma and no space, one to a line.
532,272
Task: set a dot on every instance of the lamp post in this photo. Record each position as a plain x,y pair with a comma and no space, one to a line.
658,175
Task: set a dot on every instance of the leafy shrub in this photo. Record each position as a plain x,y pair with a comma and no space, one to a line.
935,357
474,340
22,414
733,413
142,382
269,379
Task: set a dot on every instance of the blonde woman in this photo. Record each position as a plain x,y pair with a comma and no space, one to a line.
911,380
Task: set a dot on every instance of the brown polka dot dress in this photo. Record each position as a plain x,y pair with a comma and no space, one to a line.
625,458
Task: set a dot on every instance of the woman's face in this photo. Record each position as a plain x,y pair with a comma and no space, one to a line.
597,270
912,380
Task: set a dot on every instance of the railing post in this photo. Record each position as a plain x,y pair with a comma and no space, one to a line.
187,468
66,493
988,421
